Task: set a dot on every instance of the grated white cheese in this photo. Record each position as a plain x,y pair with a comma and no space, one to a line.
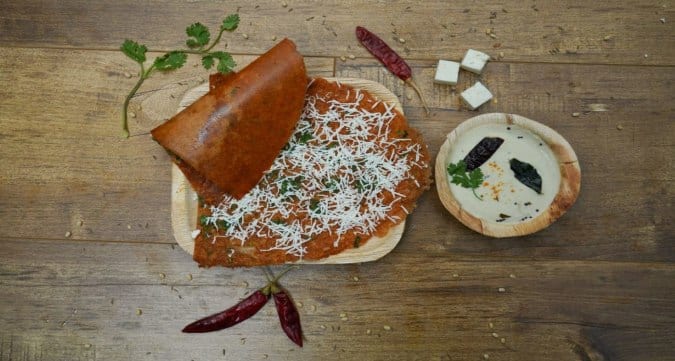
331,177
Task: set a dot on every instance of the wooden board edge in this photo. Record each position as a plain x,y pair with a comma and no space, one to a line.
184,199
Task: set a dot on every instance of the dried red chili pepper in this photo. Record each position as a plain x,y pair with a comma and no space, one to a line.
389,58
288,316
233,315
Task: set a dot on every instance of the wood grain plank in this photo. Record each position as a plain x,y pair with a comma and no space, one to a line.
627,174
63,161
69,165
609,32
82,299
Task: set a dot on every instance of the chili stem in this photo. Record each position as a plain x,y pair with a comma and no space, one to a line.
410,82
475,194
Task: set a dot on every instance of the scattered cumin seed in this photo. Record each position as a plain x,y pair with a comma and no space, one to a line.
576,114
493,35
368,332
351,56
486,356
607,38
502,340
619,127
189,276
68,234
245,35
495,335
491,325
139,312
87,345
127,75
343,315
323,327
356,278
386,327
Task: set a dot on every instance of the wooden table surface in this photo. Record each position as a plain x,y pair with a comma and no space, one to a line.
89,269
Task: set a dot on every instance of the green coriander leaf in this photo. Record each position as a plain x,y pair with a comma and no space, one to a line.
170,61
199,35
476,178
230,23
207,61
134,50
304,137
225,61
458,168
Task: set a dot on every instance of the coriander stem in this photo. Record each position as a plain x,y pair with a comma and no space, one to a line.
125,123
215,41
473,190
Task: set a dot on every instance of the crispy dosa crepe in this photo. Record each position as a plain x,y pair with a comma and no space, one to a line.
226,139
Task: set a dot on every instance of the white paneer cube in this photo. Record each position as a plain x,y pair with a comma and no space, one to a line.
476,96
474,61
447,72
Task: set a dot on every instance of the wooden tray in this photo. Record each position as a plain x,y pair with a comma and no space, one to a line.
570,177
184,199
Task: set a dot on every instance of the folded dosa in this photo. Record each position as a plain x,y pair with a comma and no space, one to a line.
228,138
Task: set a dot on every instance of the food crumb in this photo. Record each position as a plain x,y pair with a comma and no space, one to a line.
245,36
491,325
139,312
189,276
646,56
495,335
662,20
343,58
299,304
486,356
502,340
162,276
401,40
323,327
356,278
386,327
368,332
512,275
344,319
455,275
313,308
351,56
284,4
409,96
132,114
80,223
501,289
576,114
68,234
274,38
127,75
343,315
619,127
607,38
128,226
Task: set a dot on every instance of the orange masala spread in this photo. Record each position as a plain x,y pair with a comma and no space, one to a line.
351,168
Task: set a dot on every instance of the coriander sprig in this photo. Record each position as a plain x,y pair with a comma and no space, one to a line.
465,179
198,42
